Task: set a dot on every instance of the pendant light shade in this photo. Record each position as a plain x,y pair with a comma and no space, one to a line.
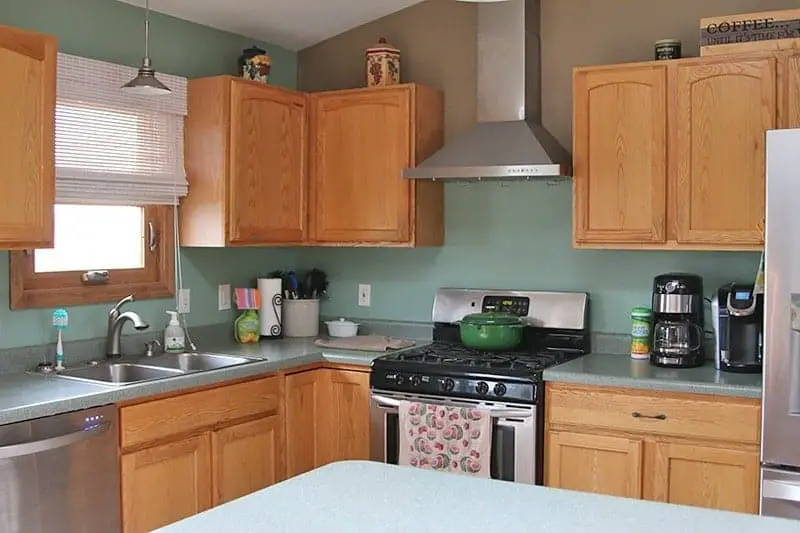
145,82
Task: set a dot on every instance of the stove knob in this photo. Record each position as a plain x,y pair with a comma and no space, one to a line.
448,384
482,387
399,379
500,389
416,381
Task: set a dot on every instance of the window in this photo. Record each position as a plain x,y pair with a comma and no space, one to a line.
119,173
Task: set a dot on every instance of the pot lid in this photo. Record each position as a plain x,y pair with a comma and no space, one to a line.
383,46
343,322
491,319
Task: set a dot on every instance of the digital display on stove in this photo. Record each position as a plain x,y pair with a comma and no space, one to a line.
513,305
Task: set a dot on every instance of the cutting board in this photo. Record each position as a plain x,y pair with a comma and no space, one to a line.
366,343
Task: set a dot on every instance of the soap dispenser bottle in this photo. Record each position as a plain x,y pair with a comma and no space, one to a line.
174,337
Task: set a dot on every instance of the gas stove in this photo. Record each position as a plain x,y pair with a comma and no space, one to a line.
556,332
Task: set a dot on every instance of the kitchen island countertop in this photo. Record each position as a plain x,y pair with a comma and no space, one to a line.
360,496
622,371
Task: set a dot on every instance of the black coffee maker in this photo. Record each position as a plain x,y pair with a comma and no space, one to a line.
677,336
738,328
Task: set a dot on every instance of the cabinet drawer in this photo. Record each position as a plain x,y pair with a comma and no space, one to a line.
683,415
157,419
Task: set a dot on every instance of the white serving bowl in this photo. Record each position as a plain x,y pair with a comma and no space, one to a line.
342,328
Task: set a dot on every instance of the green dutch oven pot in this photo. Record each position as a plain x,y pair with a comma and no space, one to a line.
491,331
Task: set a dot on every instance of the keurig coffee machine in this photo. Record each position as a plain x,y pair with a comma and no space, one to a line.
677,333
738,328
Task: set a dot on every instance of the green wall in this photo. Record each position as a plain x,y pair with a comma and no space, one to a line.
511,235
114,31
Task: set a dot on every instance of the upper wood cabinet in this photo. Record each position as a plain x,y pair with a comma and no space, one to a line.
246,164
722,109
361,141
620,154
670,154
27,115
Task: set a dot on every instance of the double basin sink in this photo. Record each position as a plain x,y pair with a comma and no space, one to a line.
168,365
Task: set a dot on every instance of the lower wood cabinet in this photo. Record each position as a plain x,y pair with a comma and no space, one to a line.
327,418
184,454
166,483
678,448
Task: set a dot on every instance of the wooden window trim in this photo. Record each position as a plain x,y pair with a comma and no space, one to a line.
54,289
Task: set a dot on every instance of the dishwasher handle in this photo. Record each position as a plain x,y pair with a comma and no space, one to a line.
53,443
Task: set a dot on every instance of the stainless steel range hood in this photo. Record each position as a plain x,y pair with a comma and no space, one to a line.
509,140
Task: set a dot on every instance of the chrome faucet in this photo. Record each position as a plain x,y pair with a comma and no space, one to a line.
116,320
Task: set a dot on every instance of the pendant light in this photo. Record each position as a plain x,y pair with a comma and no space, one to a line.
145,82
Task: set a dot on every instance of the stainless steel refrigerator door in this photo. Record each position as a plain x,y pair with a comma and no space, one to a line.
781,395
780,493
60,474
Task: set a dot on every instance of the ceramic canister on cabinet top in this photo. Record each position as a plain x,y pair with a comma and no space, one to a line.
383,64
255,64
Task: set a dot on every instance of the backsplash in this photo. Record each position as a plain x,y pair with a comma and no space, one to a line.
515,235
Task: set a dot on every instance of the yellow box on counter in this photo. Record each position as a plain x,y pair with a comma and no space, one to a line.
750,32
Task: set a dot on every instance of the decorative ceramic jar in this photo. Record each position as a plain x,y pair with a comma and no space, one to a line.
383,64
255,64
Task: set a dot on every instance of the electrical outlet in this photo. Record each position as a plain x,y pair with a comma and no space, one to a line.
224,297
183,301
364,295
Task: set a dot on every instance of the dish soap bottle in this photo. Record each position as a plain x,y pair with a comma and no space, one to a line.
174,337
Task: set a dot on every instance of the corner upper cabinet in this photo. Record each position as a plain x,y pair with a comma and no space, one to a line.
722,109
27,115
246,164
361,140
620,133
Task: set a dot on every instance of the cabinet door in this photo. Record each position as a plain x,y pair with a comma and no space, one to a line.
722,110
305,393
705,476
361,143
789,90
246,457
620,155
594,463
346,415
166,483
267,187
27,115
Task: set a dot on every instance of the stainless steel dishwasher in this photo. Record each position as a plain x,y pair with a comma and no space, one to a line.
60,474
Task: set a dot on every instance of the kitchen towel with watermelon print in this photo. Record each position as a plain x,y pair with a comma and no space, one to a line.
446,439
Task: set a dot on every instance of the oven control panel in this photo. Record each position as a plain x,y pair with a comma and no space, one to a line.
512,305
462,386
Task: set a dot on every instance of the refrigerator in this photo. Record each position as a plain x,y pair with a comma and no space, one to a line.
780,445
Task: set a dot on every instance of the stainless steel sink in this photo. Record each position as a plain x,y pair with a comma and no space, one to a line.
196,362
119,373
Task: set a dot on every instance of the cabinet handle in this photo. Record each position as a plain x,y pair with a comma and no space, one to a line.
637,414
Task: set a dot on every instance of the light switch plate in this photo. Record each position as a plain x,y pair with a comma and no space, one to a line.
184,301
224,297
364,295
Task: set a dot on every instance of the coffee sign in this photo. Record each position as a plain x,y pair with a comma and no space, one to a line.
743,31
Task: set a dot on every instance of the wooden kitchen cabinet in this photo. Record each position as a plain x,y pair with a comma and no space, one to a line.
246,152
681,448
165,483
722,109
247,457
27,115
185,453
361,140
327,418
706,476
620,154
670,155
596,463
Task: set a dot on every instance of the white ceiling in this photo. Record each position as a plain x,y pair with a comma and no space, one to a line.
294,24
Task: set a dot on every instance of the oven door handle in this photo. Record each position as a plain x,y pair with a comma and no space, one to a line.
493,412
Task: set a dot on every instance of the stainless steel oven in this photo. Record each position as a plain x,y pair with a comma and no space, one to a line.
515,440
